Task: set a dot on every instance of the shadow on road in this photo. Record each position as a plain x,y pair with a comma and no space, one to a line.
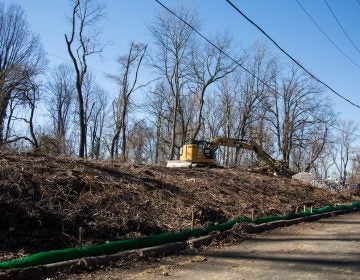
285,238
292,258
346,222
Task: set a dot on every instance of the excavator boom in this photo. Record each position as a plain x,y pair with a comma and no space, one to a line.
239,143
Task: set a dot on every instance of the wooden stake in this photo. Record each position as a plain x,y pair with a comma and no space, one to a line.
192,218
62,217
296,209
80,237
252,215
311,209
304,208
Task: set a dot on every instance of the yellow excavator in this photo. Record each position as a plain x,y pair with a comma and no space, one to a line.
203,153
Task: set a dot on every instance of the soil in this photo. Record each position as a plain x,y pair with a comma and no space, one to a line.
45,199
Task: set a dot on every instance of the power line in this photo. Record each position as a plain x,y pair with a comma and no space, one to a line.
289,56
214,45
342,28
230,57
327,36
342,130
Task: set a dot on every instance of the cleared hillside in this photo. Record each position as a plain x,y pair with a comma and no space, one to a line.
45,199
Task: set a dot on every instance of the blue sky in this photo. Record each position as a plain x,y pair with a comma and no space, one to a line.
284,20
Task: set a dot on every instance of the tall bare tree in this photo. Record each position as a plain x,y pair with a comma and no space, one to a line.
343,150
251,90
157,105
61,98
354,177
27,97
128,84
96,122
226,99
31,98
324,164
313,139
208,66
293,109
21,58
140,143
81,42
91,94
173,40
213,122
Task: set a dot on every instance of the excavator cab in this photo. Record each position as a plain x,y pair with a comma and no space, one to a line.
195,153
198,152
205,148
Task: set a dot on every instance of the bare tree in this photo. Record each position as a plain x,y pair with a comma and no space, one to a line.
313,139
31,98
82,42
140,142
293,110
173,39
157,106
324,164
342,152
97,123
251,93
27,97
207,68
128,84
354,178
14,103
61,98
251,89
21,58
90,95
227,104
213,122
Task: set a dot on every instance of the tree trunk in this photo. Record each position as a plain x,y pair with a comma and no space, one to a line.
4,102
201,106
82,123
31,124
122,129
227,132
173,129
158,135
114,143
123,146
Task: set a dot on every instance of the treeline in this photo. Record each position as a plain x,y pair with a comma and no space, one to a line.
197,91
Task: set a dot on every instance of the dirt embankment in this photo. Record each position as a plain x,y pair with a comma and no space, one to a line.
45,199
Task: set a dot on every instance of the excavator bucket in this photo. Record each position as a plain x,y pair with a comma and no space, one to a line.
179,163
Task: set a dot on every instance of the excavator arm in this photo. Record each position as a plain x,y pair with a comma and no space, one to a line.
252,146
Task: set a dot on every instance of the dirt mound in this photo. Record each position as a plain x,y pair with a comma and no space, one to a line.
45,199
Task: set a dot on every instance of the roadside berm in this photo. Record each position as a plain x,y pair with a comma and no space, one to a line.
44,200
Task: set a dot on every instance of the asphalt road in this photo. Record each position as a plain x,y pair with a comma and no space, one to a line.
325,249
